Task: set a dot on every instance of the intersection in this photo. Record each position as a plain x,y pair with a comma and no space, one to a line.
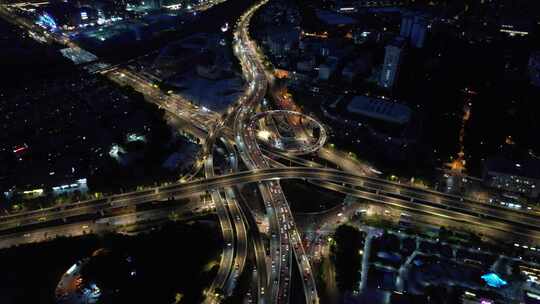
236,130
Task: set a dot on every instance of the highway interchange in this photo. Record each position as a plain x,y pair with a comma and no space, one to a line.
236,130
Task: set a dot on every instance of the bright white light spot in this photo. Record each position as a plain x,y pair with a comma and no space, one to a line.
264,134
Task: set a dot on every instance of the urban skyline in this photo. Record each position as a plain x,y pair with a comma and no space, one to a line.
274,151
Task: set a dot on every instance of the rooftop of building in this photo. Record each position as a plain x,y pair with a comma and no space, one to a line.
398,41
380,109
332,18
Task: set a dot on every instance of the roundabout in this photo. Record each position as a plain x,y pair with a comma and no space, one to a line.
293,133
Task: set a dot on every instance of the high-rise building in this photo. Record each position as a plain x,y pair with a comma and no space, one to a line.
419,31
534,68
407,22
327,69
155,4
281,41
392,60
414,27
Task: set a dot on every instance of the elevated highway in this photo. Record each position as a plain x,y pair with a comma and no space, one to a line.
520,224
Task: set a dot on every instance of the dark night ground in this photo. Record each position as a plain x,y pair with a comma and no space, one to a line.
167,261
307,197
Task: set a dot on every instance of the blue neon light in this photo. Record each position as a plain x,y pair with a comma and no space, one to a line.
47,21
493,280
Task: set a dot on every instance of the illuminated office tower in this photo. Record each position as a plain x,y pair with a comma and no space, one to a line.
392,60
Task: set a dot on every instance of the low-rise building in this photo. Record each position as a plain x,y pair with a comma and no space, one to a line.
382,3
521,177
516,26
